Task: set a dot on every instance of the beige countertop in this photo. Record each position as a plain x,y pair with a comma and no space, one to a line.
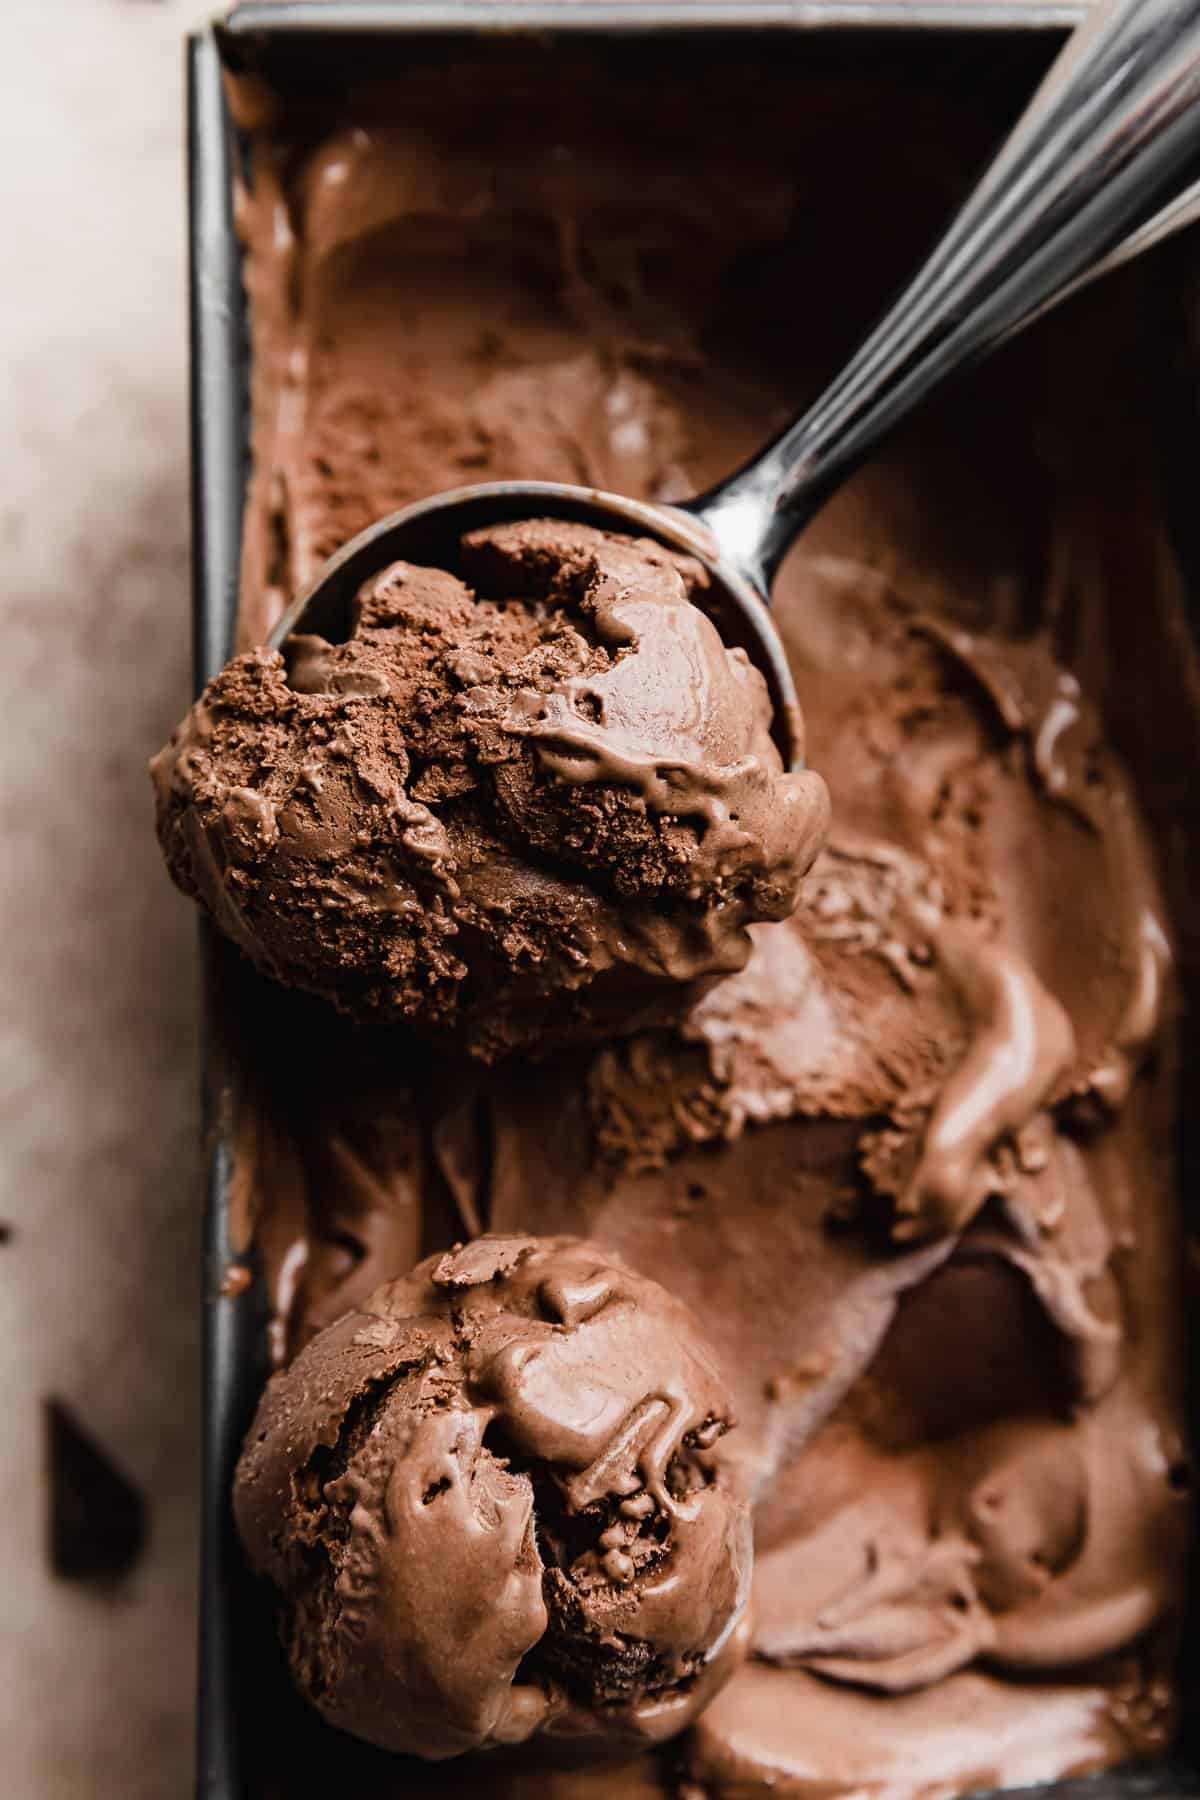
98,1062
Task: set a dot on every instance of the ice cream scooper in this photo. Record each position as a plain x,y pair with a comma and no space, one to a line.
1105,143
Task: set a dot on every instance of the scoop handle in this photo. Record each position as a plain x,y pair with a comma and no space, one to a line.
1106,139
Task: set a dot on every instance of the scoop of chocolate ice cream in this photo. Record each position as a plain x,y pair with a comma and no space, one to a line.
491,1506
515,813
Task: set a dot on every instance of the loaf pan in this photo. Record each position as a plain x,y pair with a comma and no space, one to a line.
243,1695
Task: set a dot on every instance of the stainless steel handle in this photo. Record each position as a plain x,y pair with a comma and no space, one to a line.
1096,153
1183,210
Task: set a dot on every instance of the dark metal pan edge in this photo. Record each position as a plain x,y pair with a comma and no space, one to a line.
218,407
274,17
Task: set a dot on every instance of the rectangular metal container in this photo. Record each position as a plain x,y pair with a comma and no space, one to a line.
297,40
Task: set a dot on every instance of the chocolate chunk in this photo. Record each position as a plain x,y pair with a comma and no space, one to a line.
97,1517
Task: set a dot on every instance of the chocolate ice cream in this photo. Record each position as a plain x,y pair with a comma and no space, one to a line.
514,813
915,1167
489,1501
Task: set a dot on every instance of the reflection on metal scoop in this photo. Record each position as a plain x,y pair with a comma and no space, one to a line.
1100,152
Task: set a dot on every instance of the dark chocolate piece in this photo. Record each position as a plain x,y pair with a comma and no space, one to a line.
97,1522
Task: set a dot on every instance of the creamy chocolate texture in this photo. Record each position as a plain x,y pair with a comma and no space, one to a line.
514,813
489,1500
913,1167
